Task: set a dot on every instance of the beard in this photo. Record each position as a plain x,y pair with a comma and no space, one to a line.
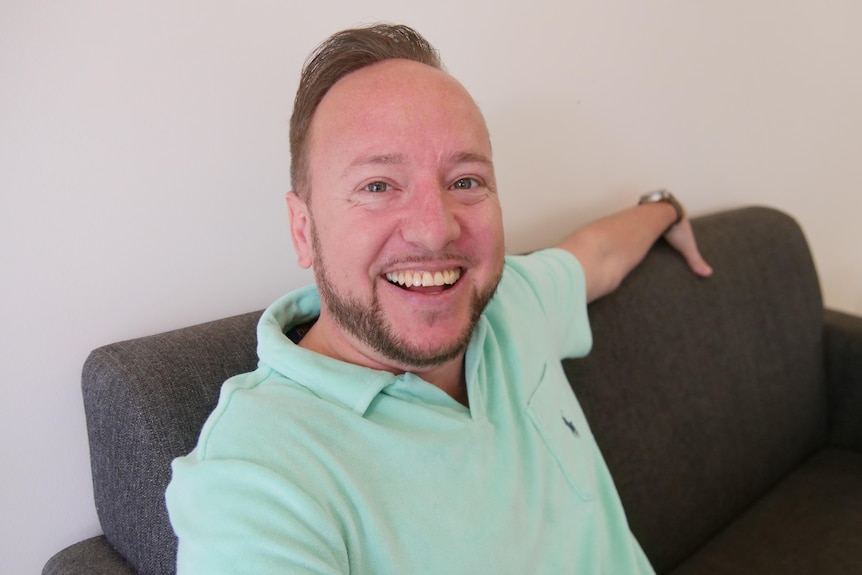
367,322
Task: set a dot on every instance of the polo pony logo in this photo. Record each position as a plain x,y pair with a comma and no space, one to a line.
570,425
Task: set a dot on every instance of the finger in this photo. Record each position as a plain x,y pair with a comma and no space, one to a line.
681,237
697,264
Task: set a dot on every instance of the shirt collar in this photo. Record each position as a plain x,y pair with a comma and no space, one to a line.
351,385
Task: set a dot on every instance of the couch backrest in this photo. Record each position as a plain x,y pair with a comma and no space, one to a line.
146,401
704,393
701,393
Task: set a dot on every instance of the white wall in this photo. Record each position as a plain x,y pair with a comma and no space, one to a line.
144,156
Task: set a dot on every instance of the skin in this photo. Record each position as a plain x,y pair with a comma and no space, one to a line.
402,180
611,247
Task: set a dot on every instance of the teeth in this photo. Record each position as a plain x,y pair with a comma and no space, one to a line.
417,278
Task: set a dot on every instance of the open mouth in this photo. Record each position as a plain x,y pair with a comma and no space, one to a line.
424,281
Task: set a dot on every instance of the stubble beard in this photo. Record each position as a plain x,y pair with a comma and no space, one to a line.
367,322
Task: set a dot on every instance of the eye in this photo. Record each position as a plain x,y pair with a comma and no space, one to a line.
377,187
466,184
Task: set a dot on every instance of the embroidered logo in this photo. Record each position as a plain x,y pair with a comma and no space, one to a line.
570,425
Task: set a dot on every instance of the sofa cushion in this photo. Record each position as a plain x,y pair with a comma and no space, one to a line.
842,349
146,401
93,556
703,393
810,523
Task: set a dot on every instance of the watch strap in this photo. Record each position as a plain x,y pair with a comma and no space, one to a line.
665,197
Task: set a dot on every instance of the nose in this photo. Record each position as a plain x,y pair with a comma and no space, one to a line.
431,219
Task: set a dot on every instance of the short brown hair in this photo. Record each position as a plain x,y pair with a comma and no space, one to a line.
338,56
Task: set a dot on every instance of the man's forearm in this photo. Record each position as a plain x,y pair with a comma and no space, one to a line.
611,247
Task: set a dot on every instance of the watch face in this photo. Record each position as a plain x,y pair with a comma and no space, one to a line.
656,196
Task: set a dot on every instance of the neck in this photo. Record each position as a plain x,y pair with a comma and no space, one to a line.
450,378
447,376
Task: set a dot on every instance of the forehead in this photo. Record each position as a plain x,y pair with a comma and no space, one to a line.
397,107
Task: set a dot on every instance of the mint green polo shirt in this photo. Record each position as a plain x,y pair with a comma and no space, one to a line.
311,465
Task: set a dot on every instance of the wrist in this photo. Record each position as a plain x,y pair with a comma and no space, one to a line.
664,196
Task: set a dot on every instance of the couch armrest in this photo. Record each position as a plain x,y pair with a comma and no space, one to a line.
89,557
842,343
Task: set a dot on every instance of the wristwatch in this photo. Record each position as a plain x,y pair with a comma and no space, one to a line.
666,197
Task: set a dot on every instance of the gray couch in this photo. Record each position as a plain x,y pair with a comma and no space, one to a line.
729,411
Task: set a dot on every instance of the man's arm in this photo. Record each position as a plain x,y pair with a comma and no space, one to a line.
611,247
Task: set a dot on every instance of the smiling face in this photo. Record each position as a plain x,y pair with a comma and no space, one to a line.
403,226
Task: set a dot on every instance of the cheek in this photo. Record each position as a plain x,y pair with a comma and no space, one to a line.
350,247
486,229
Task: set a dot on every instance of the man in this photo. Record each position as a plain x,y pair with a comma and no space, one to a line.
421,423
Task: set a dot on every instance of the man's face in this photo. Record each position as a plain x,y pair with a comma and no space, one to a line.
403,227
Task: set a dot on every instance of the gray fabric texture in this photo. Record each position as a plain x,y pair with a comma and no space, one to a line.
702,394
810,524
89,557
843,353
146,401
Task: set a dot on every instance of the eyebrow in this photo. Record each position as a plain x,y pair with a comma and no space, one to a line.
399,159
377,160
470,158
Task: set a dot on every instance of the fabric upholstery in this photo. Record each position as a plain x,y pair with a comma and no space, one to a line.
146,401
729,411
93,556
843,355
810,524
702,394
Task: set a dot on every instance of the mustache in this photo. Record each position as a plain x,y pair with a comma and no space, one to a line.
429,258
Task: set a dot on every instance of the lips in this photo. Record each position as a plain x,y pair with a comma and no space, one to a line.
421,278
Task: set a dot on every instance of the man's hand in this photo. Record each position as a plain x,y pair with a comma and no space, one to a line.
681,238
611,247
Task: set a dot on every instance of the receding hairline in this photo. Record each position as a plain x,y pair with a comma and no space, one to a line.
439,74
339,55
342,93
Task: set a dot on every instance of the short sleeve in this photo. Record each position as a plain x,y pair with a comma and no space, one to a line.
555,279
233,516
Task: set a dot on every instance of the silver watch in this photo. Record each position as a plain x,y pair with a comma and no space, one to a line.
666,197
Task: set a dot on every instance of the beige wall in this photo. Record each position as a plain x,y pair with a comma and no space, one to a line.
143,160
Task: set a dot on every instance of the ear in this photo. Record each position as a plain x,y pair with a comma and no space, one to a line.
300,229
